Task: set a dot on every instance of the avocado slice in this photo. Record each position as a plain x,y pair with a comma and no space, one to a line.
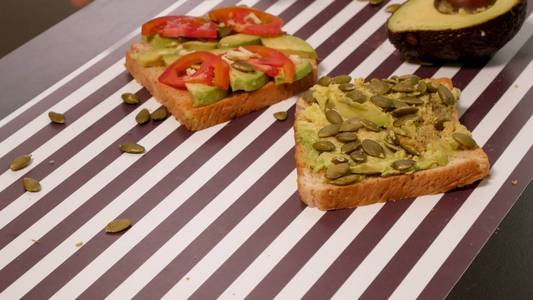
158,42
301,69
199,45
203,94
246,81
154,57
423,33
238,40
289,44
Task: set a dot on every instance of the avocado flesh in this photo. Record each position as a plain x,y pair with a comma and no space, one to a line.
238,40
203,94
422,33
289,44
198,45
301,69
242,81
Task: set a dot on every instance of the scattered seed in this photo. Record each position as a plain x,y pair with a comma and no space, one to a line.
132,148
406,86
324,146
31,185
379,87
143,116
409,148
339,160
342,79
350,147
281,115
56,117
346,137
421,87
403,165
308,97
445,95
118,225
375,2
411,100
357,96
349,126
369,125
348,179
465,140
159,114
382,102
329,130
20,162
346,87
399,104
333,116
392,8
324,81
373,148
335,171
403,111
79,244
359,156
130,98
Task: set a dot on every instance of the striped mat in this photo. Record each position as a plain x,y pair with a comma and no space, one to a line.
216,212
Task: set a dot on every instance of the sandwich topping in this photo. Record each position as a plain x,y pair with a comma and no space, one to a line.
354,129
233,49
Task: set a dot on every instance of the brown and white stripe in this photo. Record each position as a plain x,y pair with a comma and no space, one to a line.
216,212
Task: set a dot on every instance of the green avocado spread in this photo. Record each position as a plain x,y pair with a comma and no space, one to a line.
352,129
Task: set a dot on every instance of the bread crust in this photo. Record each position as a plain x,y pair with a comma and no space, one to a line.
465,168
179,102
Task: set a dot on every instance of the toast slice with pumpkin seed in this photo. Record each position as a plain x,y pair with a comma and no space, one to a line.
359,143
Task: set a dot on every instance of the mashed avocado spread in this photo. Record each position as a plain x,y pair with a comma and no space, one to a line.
352,129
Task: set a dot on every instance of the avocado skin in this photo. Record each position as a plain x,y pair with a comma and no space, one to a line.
464,44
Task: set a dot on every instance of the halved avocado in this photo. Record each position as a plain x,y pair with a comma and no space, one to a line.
423,33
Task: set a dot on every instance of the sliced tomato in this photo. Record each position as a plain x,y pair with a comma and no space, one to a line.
272,62
213,71
180,26
243,19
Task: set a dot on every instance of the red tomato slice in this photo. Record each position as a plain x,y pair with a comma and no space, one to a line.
242,19
272,62
180,26
213,71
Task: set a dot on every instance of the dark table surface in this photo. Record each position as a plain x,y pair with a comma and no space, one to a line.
66,36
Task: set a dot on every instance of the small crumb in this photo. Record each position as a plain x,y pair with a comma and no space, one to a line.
483,33
187,278
516,86
79,244
514,182
51,161
35,241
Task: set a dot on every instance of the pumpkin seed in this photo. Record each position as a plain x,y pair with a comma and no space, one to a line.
130,98
20,162
132,148
357,96
118,225
348,179
402,120
143,116
403,165
403,111
398,104
349,126
465,140
346,87
242,66
421,87
159,114
281,115
399,131
405,86
373,148
445,95
432,87
330,104
342,79
56,117
392,138
411,100
308,97
31,185
324,80
335,171
379,87
329,130
350,147
409,148
392,8
412,77
391,147
439,124
382,101
324,146
339,160
359,156
369,125
333,116
375,2
346,137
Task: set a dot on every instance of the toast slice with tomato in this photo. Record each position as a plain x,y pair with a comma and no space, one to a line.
208,71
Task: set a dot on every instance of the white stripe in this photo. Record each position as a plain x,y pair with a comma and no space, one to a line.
328,252
234,239
461,222
82,68
382,52
406,68
175,245
279,6
306,15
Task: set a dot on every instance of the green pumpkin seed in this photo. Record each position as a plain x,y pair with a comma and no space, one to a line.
333,116
130,98
132,148
391,146
411,100
342,79
281,115
412,77
330,104
324,146
324,81
398,104
346,137
403,111
118,225
421,87
308,97
409,148
402,120
392,8
392,137
465,140
350,126
403,165
375,2
432,87
382,102
328,130
369,125
339,160
439,124
335,171
358,156
348,179
346,87
357,96
379,87
31,185
406,86
445,95
373,148
143,116
20,162
350,147
243,66
56,117
159,114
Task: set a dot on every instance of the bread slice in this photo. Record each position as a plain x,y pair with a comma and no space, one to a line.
179,102
465,167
